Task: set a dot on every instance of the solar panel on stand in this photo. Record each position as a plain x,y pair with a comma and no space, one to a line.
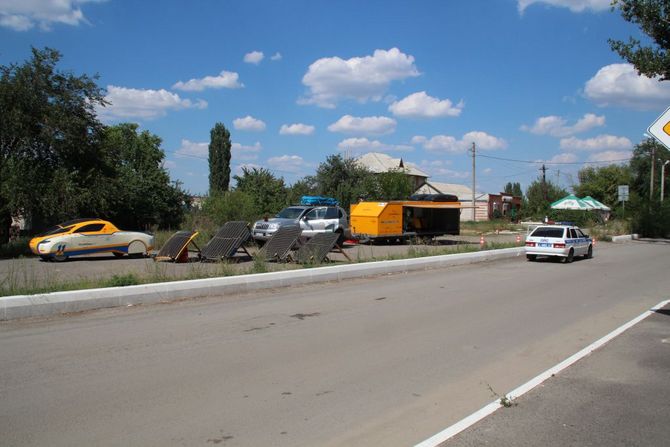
317,248
176,248
279,246
227,241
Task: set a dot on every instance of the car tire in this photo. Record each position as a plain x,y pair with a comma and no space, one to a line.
570,257
589,253
137,249
45,258
340,237
118,254
60,257
531,257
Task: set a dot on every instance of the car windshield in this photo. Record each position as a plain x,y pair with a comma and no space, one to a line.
290,213
547,232
55,230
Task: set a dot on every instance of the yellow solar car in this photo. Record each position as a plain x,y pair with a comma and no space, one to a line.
88,236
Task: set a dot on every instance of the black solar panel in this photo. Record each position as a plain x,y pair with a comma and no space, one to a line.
278,247
317,248
176,245
227,241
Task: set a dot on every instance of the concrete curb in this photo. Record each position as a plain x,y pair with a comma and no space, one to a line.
624,238
25,306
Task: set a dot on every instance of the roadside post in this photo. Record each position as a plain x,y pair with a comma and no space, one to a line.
623,198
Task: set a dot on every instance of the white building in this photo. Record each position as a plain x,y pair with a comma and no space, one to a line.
464,195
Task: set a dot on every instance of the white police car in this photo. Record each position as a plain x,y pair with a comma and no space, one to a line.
563,241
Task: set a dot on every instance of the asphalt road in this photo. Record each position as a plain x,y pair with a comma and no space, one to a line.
617,396
384,361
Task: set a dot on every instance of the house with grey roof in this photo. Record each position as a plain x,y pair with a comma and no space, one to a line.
377,163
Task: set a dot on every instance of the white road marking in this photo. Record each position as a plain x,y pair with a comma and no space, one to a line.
480,414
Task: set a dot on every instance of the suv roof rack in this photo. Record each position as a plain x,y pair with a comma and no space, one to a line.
318,200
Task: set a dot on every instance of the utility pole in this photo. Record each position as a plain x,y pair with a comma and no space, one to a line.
663,179
474,206
651,177
544,181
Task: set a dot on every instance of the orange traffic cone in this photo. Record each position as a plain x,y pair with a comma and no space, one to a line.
518,238
481,240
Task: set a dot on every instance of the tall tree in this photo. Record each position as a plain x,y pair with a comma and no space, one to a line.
514,189
653,18
143,195
535,204
219,159
344,179
602,183
393,185
49,151
268,192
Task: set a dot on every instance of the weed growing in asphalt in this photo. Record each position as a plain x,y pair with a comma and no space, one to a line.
505,401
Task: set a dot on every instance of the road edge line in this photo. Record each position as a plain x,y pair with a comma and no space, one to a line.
489,409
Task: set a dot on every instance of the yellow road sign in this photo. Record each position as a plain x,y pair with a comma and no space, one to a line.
660,129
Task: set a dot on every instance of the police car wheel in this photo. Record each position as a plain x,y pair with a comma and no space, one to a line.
531,257
589,254
571,255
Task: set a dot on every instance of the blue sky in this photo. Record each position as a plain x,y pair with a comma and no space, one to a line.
295,81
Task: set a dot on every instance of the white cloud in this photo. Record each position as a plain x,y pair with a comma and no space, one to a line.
369,125
447,143
620,85
567,157
439,168
23,15
600,142
556,126
420,105
572,5
192,149
611,157
249,123
201,150
169,164
242,152
225,79
360,78
255,57
276,57
365,145
145,104
296,129
293,164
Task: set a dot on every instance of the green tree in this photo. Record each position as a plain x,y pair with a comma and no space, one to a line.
602,183
345,180
393,185
50,158
229,206
219,159
653,18
539,197
514,189
640,165
142,192
303,187
268,192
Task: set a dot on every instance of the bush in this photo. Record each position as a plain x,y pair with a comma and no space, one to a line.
653,221
15,248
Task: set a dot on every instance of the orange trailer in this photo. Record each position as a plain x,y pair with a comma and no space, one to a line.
426,216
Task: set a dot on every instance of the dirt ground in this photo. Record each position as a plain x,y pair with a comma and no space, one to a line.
34,273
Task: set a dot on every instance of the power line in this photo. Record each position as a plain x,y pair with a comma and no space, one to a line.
553,162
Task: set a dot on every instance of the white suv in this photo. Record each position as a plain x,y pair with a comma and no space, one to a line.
311,219
563,241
